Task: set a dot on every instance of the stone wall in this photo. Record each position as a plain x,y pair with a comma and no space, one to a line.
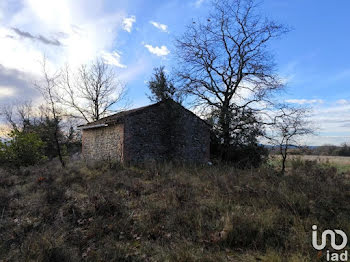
144,136
161,132
190,137
104,143
166,132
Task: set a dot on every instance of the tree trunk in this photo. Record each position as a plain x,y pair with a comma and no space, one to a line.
225,128
283,165
284,157
59,153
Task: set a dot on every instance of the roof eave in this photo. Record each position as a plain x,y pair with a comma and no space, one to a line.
83,127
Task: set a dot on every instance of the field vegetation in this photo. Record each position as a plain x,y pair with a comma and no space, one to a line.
167,212
341,163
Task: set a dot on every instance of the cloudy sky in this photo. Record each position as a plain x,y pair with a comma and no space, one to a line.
135,36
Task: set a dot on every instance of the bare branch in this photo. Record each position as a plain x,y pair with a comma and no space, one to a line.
224,62
48,88
92,91
290,124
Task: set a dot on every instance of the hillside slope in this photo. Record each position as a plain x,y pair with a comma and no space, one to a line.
167,213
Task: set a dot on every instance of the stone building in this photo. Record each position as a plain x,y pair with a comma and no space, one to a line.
160,132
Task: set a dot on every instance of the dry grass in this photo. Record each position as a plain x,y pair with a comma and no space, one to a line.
342,163
167,213
338,160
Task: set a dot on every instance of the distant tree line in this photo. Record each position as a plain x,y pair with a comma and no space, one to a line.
324,150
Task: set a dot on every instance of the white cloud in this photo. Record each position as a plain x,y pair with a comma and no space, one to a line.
320,140
333,122
304,101
128,23
112,59
161,27
6,91
343,102
65,31
81,28
159,51
198,3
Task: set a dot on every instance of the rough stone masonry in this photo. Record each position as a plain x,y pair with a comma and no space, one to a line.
159,132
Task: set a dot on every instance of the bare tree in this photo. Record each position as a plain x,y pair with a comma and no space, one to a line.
48,87
290,125
8,113
225,63
92,91
19,114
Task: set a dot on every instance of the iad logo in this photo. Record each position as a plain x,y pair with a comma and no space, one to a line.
332,233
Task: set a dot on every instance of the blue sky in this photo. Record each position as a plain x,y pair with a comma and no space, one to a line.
136,36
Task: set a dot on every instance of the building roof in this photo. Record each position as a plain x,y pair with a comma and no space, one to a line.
119,117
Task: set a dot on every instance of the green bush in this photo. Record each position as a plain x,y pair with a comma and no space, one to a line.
23,149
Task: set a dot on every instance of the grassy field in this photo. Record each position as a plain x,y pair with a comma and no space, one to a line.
164,212
342,163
